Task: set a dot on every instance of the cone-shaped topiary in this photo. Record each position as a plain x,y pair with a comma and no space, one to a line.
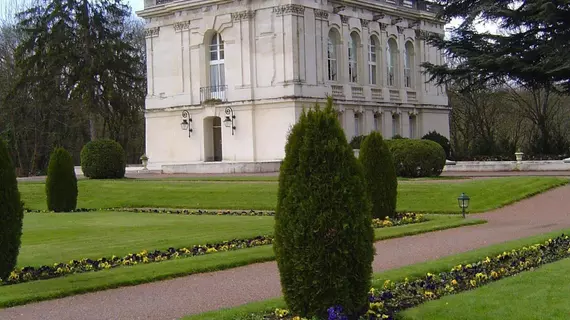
380,175
323,231
61,182
103,159
11,214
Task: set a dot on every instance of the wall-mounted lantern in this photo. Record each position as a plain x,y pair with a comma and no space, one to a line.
229,121
186,122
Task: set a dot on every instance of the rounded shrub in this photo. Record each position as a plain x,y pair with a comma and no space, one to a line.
103,159
379,175
323,232
61,182
11,214
417,158
441,139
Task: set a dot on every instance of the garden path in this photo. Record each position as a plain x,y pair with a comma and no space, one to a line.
172,299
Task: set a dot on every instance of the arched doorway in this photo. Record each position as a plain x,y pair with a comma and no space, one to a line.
213,139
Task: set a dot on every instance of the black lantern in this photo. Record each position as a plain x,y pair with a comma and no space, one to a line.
463,201
229,121
186,122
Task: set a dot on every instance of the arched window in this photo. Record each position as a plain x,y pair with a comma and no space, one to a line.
373,60
353,44
392,61
409,65
217,72
332,63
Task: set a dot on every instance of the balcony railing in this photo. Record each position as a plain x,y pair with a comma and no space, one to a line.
337,91
213,94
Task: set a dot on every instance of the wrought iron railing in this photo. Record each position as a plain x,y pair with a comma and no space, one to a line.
213,94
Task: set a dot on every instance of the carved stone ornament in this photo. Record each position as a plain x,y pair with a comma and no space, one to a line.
422,34
396,20
400,29
243,15
181,26
383,26
287,9
344,19
151,32
365,23
321,14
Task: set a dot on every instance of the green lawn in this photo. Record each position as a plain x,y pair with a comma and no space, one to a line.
123,276
412,196
413,272
50,238
539,294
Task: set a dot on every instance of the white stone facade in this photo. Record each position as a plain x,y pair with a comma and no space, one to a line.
269,59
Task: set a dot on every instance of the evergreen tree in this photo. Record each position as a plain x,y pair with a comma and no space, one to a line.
380,175
11,214
83,50
323,232
531,49
61,182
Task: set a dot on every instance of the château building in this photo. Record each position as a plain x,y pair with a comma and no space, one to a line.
228,78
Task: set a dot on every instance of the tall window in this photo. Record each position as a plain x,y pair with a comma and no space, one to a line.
372,60
408,64
395,125
353,43
377,120
356,124
413,125
332,65
391,61
217,77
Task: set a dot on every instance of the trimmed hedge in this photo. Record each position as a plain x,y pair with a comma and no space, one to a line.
103,159
442,140
380,175
417,158
323,226
11,213
61,182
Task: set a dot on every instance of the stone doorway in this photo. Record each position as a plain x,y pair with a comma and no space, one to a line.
212,139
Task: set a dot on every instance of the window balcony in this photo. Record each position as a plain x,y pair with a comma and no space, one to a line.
213,94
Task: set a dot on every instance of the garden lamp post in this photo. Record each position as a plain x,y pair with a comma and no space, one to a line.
463,201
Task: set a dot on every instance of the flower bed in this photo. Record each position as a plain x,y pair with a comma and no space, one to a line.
26,274
385,302
172,211
85,265
402,218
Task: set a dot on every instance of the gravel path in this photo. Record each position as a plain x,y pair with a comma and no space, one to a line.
172,299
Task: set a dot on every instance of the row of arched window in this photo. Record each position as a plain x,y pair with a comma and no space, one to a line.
373,57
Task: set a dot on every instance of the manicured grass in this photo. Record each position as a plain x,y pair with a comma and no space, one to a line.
124,276
438,197
539,294
410,272
51,238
